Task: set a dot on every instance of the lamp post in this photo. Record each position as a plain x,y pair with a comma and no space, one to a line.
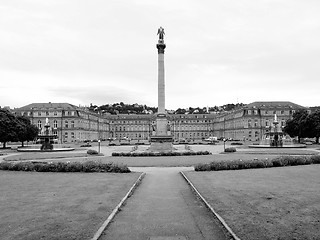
99,141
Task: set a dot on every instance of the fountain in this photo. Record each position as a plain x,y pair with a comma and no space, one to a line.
46,139
276,138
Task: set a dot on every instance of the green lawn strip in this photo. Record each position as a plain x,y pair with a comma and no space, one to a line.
181,161
273,203
46,155
58,205
281,151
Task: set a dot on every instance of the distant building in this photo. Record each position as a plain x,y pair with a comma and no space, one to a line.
71,123
252,121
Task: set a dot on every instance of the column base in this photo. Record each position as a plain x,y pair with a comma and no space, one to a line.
161,144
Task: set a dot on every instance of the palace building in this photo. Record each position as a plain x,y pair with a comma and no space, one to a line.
71,123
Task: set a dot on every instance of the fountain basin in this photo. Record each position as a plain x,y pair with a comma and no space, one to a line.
39,150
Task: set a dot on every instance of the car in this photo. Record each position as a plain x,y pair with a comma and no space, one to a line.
211,139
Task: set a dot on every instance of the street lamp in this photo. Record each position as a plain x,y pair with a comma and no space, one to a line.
99,141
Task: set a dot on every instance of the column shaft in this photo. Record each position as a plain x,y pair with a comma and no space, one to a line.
161,84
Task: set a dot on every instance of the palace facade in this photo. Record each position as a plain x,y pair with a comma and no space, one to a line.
71,123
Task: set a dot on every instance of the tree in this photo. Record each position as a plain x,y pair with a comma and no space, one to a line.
8,127
25,130
299,125
313,125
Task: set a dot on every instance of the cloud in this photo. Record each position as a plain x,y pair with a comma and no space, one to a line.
104,51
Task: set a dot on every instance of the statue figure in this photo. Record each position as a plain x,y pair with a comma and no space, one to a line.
160,33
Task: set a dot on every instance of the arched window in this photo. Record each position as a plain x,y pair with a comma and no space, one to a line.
55,124
72,124
66,124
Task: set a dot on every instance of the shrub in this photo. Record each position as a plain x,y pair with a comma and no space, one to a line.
315,159
154,154
231,149
89,166
92,152
85,145
236,143
202,167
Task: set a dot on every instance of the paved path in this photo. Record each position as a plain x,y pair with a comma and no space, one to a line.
163,207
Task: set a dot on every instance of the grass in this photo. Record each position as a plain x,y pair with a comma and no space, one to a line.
273,203
58,205
46,155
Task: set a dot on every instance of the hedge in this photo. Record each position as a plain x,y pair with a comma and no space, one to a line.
88,166
158,154
256,163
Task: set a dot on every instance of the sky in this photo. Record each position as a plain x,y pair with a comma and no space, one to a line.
102,52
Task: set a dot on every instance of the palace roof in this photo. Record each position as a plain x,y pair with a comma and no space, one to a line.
274,104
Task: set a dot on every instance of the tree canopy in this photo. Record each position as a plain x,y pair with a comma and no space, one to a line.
304,125
14,128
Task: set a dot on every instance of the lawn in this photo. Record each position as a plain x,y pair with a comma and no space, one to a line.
179,161
44,155
277,203
58,205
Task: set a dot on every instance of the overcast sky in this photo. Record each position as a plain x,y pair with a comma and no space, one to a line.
218,51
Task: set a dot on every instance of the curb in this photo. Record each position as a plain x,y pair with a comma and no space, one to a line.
224,224
116,209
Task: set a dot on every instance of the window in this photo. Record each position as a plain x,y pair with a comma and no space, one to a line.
47,113
39,113
55,124
66,124
72,124
55,133
55,113
39,124
274,112
267,122
65,135
249,123
72,134
282,112
266,112
256,123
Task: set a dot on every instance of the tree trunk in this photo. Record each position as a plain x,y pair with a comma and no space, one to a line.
4,145
317,140
22,144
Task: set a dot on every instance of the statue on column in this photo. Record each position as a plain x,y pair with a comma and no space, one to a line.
161,34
